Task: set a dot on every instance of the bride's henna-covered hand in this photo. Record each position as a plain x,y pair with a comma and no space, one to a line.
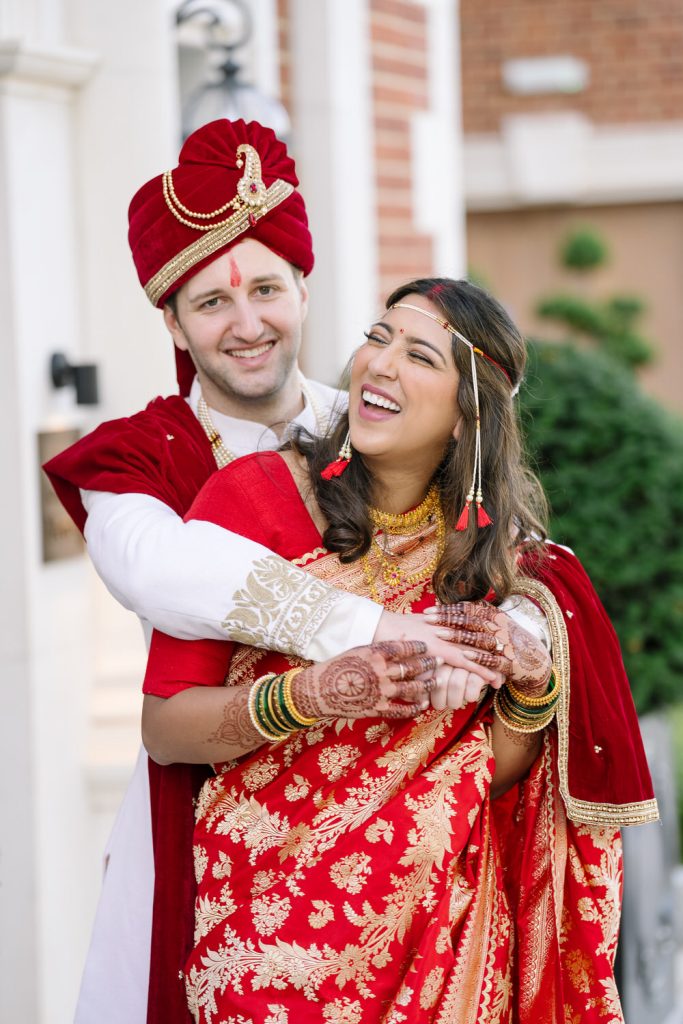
393,626
501,643
389,680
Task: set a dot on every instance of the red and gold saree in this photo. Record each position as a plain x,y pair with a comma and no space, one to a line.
359,871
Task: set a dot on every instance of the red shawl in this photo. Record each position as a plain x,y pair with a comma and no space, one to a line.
161,451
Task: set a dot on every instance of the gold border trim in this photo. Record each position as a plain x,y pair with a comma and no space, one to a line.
581,811
212,241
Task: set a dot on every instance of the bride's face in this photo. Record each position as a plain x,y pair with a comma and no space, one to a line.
403,393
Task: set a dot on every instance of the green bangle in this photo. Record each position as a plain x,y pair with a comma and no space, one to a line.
282,706
514,722
252,703
524,710
273,706
261,710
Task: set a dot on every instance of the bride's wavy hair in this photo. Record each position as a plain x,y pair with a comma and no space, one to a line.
475,560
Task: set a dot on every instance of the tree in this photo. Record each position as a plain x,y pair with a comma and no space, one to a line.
611,461
610,324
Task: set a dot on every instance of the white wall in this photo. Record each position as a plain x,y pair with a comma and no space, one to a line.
87,109
333,148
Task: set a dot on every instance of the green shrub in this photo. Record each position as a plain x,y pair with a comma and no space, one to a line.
611,461
583,250
610,324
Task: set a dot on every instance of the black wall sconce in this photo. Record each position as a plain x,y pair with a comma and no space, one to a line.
82,376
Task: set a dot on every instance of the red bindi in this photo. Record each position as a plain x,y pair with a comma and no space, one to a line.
401,330
235,276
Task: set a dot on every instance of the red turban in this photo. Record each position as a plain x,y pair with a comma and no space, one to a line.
233,181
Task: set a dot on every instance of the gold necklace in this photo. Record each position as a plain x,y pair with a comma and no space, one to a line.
421,522
223,455
405,522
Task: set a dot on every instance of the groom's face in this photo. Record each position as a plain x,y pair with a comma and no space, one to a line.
241,320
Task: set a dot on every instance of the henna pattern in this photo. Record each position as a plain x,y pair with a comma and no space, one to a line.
235,727
400,648
410,668
487,629
483,641
358,684
526,650
304,695
520,739
412,691
352,685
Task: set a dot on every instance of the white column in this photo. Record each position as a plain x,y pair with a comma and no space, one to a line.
333,148
437,137
42,918
81,127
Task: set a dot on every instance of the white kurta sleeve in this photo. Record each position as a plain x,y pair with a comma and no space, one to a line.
529,616
196,580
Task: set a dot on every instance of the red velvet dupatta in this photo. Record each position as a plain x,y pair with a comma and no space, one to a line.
359,871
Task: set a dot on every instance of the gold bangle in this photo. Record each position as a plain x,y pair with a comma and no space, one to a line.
288,699
513,724
524,716
536,702
251,706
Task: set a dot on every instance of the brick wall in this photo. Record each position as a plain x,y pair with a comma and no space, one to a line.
633,48
285,54
399,87
399,74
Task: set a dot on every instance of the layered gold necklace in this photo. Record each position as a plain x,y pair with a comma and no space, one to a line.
396,536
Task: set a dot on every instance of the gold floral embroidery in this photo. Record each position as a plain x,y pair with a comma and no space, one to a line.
380,829
297,790
433,812
222,867
351,577
606,874
322,915
210,912
334,760
201,859
378,733
260,774
343,1011
350,872
270,912
280,607
479,984
278,1014
608,1004
246,819
580,970
431,988
444,940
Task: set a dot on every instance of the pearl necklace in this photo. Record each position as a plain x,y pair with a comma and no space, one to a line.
223,455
